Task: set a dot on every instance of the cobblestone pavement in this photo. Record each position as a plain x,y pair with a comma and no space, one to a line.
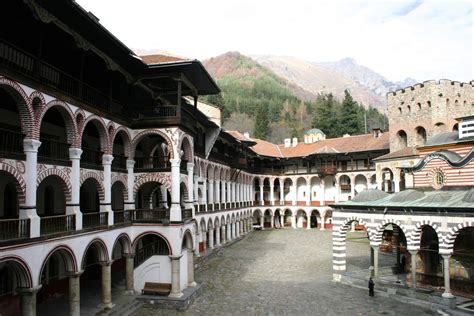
284,272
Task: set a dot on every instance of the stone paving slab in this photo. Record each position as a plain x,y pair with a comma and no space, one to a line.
284,272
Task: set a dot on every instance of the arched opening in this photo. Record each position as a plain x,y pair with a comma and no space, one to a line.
54,147
256,188
120,251
152,154
345,187
266,191
53,295
89,204
402,139
387,184
393,251
359,254
373,181
8,196
13,275
257,218
420,136
330,190
118,196
183,194
278,219
288,219
50,197
313,219
461,264
315,191
287,191
153,196
276,191
360,184
301,219
267,219
119,149
96,267
439,128
187,156
301,191
456,127
92,145
11,134
429,268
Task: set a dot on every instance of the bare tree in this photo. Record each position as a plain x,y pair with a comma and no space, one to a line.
241,122
278,132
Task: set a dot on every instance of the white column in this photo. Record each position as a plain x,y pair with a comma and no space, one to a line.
308,192
229,236
293,221
211,238
106,204
175,276
447,287
272,195
321,185
218,191
74,207
352,187
376,260
175,211
282,193
295,193
191,281
223,195
106,285
211,191
338,190
190,168
28,210
323,216
261,195
229,193
74,294
272,224
223,235
204,192
217,242
196,190
308,223
130,203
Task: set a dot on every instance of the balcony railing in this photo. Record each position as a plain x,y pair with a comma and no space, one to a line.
91,158
122,217
202,208
58,224
18,60
144,164
95,220
53,152
119,163
150,215
11,143
11,229
186,214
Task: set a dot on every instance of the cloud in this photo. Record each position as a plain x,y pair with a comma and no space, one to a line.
406,9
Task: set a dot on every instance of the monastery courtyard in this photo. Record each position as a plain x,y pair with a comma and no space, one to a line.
280,272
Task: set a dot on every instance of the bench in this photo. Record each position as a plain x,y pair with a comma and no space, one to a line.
157,288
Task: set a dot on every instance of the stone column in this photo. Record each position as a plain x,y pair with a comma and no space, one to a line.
190,169
376,261
74,294
338,190
28,300
129,273
228,231
282,220
191,281
218,192
293,221
211,191
229,193
211,238
106,204
272,195
352,187
308,223
321,186
272,223
130,203
106,285
261,194
295,193
217,242
323,220
413,254
175,277
262,221
196,190
308,192
204,192
28,210
223,195
223,237
175,211
447,286
282,193
196,246
74,207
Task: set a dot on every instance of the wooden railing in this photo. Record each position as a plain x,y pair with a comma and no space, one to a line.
122,217
152,164
10,142
91,158
119,163
202,208
150,215
95,220
11,229
186,214
57,224
156,248
53,152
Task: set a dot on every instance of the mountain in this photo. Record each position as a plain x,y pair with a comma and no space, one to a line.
365,85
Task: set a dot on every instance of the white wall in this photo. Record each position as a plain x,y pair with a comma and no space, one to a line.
156,269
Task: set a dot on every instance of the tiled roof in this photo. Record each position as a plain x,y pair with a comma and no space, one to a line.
405,152
357,143
160,58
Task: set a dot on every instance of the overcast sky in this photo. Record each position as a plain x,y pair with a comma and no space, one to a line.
424,40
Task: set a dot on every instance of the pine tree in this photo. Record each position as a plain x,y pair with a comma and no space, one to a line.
349,118
261,123
325,115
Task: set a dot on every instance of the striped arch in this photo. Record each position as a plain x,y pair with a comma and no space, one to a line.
21,270
135,241
136,140
67,256
103,133
24,107
127,139
414,238
161,178
126,243
450,237
20,184
117,178
378,232
98,181
187,240
184,191
186,145
342,232
64,179
102,251
67,115
36,95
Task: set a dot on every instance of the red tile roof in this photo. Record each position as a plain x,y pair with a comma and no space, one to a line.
405,152
358,143
160,58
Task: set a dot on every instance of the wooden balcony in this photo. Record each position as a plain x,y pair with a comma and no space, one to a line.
150,215
58,224
119,163
328,169
122,217
54,153
152,164
91,159
11,144
95,220
14,229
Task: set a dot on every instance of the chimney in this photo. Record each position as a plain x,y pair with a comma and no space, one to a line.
247,135
287,142
376,132
295,141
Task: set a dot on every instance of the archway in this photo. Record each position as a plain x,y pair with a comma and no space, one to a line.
118,196
301,219
278,219
387,183
420,139
313,219
120,150
330,190
93,144
152,153
301,191
360,184
345,186
428,258
315,191
277,193
462,263
288,218
9,187
287,191
14,274
12,128
50,197
267,218
152,195
121,253
401,139
393,251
